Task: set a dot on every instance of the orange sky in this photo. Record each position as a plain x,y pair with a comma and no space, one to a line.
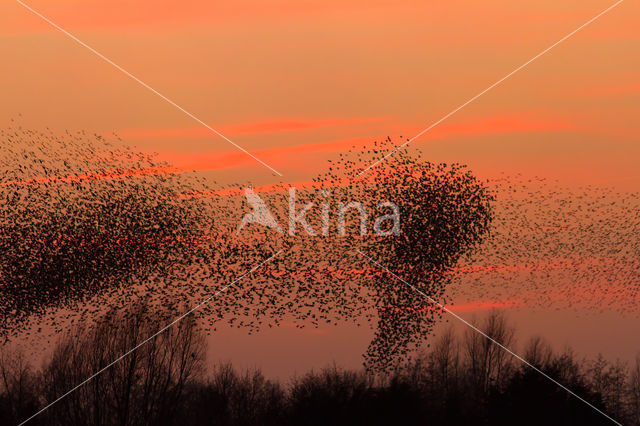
298,81
288,73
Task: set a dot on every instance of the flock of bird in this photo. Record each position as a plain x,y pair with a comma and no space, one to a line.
88,225
559,246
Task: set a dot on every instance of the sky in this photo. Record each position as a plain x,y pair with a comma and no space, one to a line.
298,82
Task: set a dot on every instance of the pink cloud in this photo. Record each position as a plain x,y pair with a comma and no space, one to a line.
261,127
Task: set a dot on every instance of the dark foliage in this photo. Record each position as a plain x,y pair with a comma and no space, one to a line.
458,381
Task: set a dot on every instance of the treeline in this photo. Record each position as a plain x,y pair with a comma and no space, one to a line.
460,380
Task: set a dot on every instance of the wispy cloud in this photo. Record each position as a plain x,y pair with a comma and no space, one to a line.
260,127
304,154
475,126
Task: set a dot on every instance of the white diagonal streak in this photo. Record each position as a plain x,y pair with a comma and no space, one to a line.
127,73
162,330
399,147
500,345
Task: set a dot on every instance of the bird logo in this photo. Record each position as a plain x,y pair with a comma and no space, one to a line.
260,213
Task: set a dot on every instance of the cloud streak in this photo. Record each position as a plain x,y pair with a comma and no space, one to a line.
261,127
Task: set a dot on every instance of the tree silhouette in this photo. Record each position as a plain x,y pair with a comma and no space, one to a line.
146,387
458,380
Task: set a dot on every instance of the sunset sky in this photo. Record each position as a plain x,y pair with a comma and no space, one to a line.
296,82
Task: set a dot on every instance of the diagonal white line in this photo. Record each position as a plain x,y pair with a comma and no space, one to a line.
527,363
162,330
127,73
489,88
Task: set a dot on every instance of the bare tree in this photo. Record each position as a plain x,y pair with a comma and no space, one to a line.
231,398
145,387
18,386
608,380
634,392
488,365
455,382
538,353
444,362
